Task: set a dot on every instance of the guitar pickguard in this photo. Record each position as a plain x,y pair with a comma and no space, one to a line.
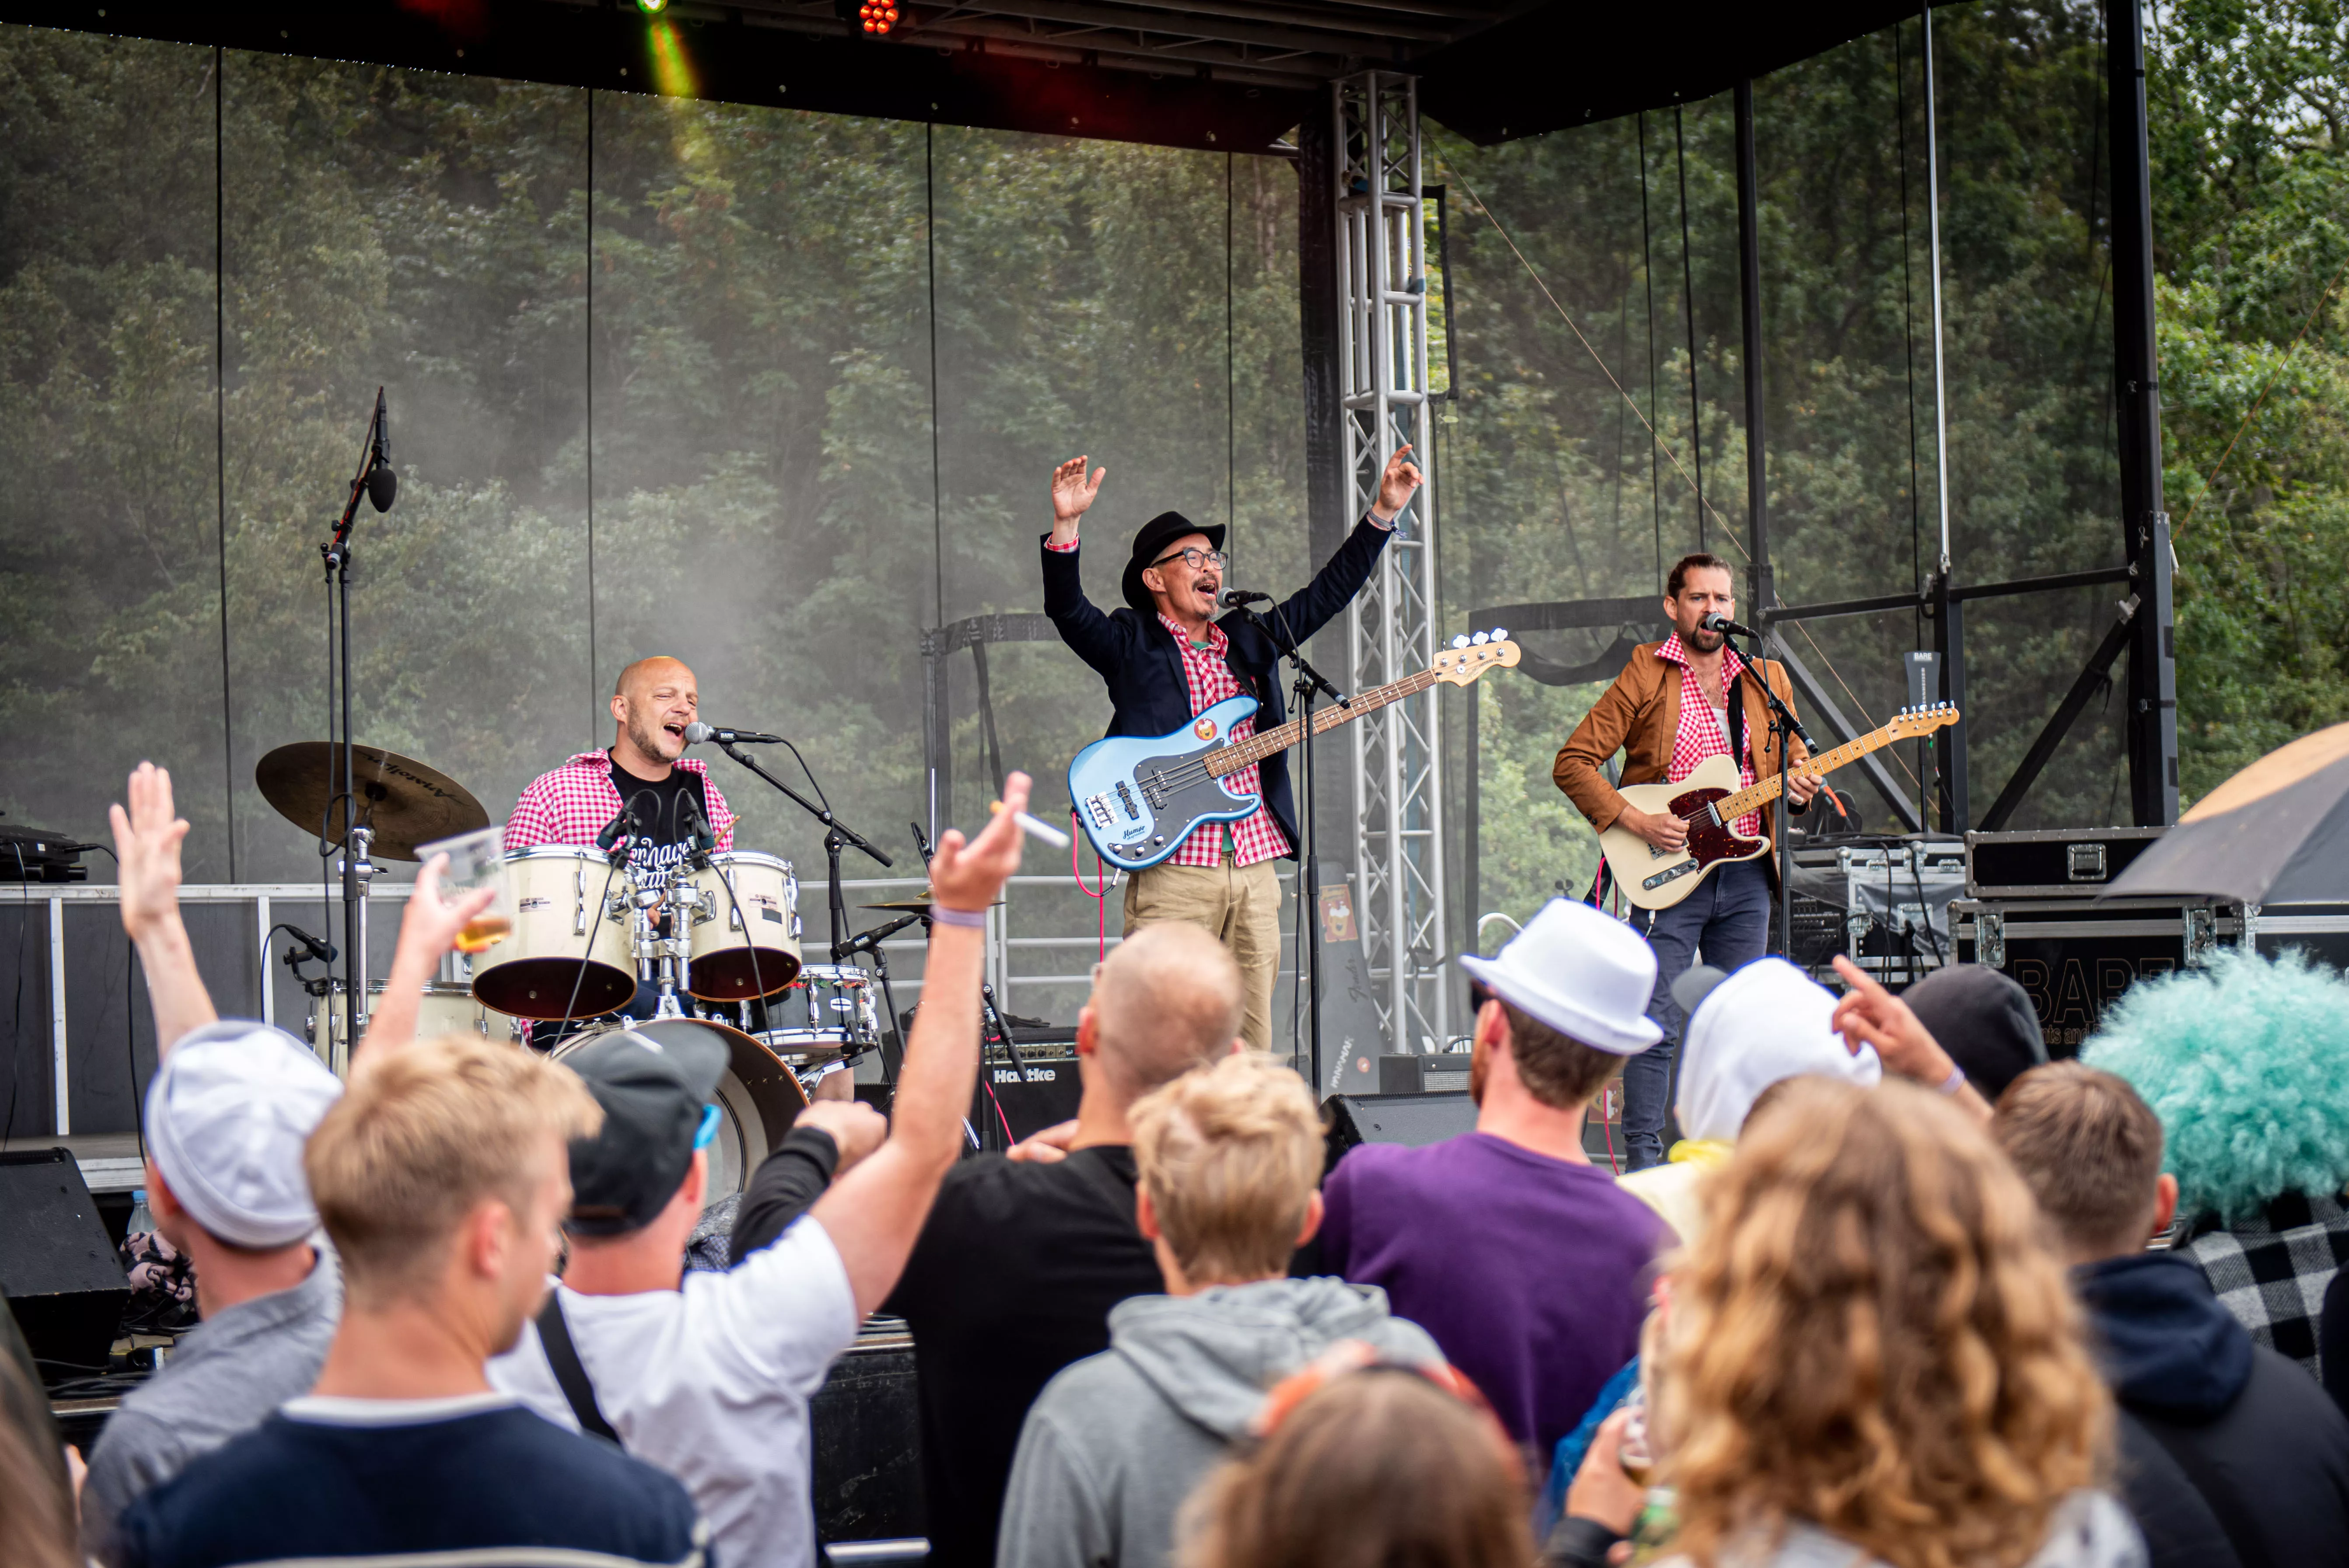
1708,845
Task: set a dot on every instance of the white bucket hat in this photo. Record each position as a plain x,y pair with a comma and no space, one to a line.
1583,974
227,1116
1767,1021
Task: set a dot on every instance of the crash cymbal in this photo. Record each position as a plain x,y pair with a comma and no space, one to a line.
406,802
913,905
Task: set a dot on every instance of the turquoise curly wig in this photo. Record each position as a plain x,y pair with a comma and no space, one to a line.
2247,1064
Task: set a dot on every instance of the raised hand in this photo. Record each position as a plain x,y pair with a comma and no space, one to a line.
1045,1147
1072,494
1868,1014
856,1128
968,876
427,930
1399,483
146,846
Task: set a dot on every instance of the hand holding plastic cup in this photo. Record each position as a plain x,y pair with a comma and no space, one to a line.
476,861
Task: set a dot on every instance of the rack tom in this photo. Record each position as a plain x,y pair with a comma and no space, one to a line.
745,915
567,956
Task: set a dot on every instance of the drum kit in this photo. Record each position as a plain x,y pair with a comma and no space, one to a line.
719,946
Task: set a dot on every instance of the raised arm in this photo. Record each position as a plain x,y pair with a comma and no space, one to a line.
147,847
873,1213
1342,577
428,929
1868,1014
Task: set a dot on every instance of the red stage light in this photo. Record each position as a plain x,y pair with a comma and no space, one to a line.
878,17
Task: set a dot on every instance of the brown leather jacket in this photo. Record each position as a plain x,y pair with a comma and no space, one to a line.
1639,715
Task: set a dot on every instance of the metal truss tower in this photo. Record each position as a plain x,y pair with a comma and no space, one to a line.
1391,629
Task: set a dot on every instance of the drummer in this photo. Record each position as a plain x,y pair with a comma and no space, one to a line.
655,699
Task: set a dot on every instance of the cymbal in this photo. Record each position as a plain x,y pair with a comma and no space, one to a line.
406,802
913,905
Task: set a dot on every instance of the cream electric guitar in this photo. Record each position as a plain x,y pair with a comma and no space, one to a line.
1708,801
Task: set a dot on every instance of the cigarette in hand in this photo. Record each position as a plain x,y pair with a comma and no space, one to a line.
1034,827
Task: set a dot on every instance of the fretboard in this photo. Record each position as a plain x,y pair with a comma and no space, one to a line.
1257,748
1731,807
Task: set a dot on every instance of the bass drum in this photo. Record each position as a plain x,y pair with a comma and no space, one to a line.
757,1097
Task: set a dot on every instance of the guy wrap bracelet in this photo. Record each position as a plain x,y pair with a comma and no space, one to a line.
974,918
1955,1081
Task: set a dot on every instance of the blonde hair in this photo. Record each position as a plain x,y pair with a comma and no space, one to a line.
1230,1155
1166,999
424,1135
1874,1334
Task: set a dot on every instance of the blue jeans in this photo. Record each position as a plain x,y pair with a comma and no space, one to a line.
1727,919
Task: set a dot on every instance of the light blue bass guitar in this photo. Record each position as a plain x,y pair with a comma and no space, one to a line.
1137,799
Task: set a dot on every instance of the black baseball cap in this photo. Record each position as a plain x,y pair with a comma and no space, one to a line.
654,1082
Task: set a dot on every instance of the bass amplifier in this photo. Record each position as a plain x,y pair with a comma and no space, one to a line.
2055,862
1041,1091
2076,956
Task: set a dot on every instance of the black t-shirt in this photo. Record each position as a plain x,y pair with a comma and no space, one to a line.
1013,1279
663,823
497,1485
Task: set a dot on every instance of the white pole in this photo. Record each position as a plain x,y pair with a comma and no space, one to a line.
1933,213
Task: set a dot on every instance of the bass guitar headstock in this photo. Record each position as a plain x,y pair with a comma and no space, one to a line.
1470,657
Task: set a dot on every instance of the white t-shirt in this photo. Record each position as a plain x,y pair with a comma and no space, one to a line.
711,1384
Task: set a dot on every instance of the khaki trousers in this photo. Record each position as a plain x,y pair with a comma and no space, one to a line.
1239,906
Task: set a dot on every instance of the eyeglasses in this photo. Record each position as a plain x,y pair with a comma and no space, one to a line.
708,1130
1193,558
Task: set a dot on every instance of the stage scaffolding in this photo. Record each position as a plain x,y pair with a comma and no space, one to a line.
1392,627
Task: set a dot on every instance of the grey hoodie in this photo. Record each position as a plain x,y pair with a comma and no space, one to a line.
1116,1441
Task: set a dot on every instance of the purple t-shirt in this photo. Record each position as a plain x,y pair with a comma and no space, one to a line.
1531,1272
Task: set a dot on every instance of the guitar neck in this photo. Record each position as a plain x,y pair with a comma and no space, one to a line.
1733,806
1280,737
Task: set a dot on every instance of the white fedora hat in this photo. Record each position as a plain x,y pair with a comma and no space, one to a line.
1582,973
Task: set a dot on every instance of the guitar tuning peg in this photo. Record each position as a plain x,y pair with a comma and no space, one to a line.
1481,638
1500,634
1461,641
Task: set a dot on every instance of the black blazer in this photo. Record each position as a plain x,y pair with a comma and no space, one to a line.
1138,659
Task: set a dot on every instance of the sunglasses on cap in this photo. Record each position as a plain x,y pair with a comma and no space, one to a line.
708,1130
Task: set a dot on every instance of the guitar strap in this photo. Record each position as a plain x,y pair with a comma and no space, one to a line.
1737,715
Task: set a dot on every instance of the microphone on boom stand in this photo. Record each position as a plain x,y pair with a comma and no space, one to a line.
697,732
1240,598
382,484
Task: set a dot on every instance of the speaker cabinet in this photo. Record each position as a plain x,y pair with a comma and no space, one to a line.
58,1267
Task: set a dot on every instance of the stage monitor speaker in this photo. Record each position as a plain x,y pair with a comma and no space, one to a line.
1410,1119
58,1268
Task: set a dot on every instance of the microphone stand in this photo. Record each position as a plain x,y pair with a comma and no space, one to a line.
1310,682
357,869
837,837
1787,728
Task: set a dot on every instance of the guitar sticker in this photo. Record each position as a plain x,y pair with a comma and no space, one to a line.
1204,729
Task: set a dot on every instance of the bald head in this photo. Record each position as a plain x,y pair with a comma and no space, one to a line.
653,701
1167,999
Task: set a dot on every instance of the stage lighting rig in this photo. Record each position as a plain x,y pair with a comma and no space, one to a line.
652,7
876,18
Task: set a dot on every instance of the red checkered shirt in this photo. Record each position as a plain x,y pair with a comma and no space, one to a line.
1255,837
1699,735
573,803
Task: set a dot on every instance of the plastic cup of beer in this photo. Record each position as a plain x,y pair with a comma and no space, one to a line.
476,861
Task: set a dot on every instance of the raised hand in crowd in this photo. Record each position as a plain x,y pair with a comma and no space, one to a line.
853,1125
428,930
1868,1014
146,837
1047,1147
1072,494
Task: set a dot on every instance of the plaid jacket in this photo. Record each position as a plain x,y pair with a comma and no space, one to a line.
2271,1272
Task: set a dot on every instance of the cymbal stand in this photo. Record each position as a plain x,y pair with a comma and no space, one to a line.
356,866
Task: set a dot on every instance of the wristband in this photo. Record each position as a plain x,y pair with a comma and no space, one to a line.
1955,1081
975,919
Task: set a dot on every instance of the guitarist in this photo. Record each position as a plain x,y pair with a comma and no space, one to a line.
1668,711
1166,659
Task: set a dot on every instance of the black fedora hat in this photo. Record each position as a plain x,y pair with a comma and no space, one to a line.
1151,543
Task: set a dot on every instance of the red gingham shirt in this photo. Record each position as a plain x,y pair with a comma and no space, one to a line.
1255,837
1699,735
573,803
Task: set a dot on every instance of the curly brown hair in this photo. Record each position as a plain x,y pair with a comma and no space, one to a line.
1874,1334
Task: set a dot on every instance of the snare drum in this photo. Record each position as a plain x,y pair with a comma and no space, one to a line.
745,915
833,1009
758,1098
446,1010
561,929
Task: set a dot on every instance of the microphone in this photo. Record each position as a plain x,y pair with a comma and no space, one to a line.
697,825
1724,624
382,484
1235,598
314,949
610,836
697,732
871,941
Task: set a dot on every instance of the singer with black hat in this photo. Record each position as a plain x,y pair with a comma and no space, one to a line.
1166,659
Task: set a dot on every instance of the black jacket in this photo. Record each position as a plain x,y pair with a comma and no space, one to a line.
2251,1432
1137,657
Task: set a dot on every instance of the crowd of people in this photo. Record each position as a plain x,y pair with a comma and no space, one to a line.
1905,1293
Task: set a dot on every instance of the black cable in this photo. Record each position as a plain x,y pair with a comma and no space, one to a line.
594,916
1925,910
820,795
